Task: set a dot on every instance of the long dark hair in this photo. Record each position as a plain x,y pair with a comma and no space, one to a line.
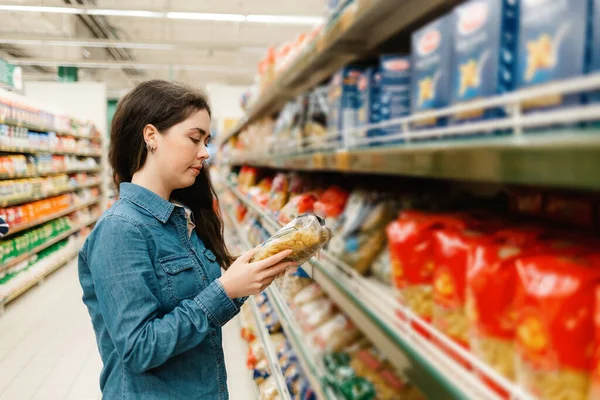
164,104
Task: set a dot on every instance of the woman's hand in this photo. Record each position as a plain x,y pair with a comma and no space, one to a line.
244,278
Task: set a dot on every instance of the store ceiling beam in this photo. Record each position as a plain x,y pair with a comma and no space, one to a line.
157,14
107,43
127,64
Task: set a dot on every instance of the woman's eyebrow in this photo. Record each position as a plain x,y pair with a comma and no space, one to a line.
202,131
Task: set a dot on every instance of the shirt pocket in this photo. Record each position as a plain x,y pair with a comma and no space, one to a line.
214,269
183,280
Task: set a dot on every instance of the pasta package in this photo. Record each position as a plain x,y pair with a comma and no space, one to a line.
335,334
331,205
279,192
555,337
305,235
490,295
410,243
362,235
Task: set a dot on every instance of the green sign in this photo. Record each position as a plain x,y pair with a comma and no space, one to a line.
6,73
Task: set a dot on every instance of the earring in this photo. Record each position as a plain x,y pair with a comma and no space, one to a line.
151,147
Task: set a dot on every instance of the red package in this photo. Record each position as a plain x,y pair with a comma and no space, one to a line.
410,243
555,335
297,205
331,204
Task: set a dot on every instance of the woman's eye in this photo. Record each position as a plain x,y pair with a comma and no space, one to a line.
196,141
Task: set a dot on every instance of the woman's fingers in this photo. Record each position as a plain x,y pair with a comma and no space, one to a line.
275,270
273,260
247,256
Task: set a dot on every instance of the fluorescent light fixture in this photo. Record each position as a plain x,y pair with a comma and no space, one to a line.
269,19
125,13
206,16
284,19
136,65
42,9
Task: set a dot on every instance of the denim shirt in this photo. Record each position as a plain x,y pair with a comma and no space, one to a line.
155,302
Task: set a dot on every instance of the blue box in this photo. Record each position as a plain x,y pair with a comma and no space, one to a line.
485,47
555,43
431,81
594,47
344,100
395,89
369,112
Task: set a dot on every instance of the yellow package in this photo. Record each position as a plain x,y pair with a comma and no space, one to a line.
305,235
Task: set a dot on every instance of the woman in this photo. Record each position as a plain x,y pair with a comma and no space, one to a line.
151,268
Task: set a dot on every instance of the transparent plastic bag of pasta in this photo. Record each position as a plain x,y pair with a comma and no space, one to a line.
305,236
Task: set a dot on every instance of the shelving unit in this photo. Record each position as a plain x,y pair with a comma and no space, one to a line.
96,179
360,28
373,307
22,200
34,128
313,371
42,174
23,257
19,228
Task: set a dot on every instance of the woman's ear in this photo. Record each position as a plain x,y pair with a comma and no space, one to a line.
150,136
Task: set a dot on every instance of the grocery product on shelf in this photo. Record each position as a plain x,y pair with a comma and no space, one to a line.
432,57
369,112
485,52
395,72
362,235
330,205
279,192
555,304
554,43
344,101
305,235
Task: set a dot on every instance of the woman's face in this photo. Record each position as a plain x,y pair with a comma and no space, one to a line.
182,149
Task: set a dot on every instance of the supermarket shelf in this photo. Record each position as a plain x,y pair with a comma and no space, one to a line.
264,336
307,359
23,257
559,147
42,129
21,290
360,28
372,306
21,227
27,150
49,173
22,200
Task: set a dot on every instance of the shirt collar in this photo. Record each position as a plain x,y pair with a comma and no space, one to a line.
160,208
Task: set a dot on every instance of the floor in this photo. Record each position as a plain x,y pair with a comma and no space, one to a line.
48,350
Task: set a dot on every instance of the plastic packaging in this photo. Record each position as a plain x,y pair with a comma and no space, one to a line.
297,205
382,267
314,314
362,235
305,235
335,334
308,294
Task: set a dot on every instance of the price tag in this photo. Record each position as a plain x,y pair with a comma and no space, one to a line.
318,161
342,160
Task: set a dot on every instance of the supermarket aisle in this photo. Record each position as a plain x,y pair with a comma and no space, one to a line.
48,349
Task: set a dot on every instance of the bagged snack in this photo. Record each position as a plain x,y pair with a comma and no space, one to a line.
305,235
291,285
410,243
382,267
309,294
335,334
555,324
298,205
279,192
331,205
316,313
315,128
247,178
268,389
362,235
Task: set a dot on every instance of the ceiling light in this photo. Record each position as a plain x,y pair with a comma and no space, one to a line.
57,10
206,16
125,13
285,19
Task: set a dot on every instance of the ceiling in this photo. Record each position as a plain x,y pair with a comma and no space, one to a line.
195,51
